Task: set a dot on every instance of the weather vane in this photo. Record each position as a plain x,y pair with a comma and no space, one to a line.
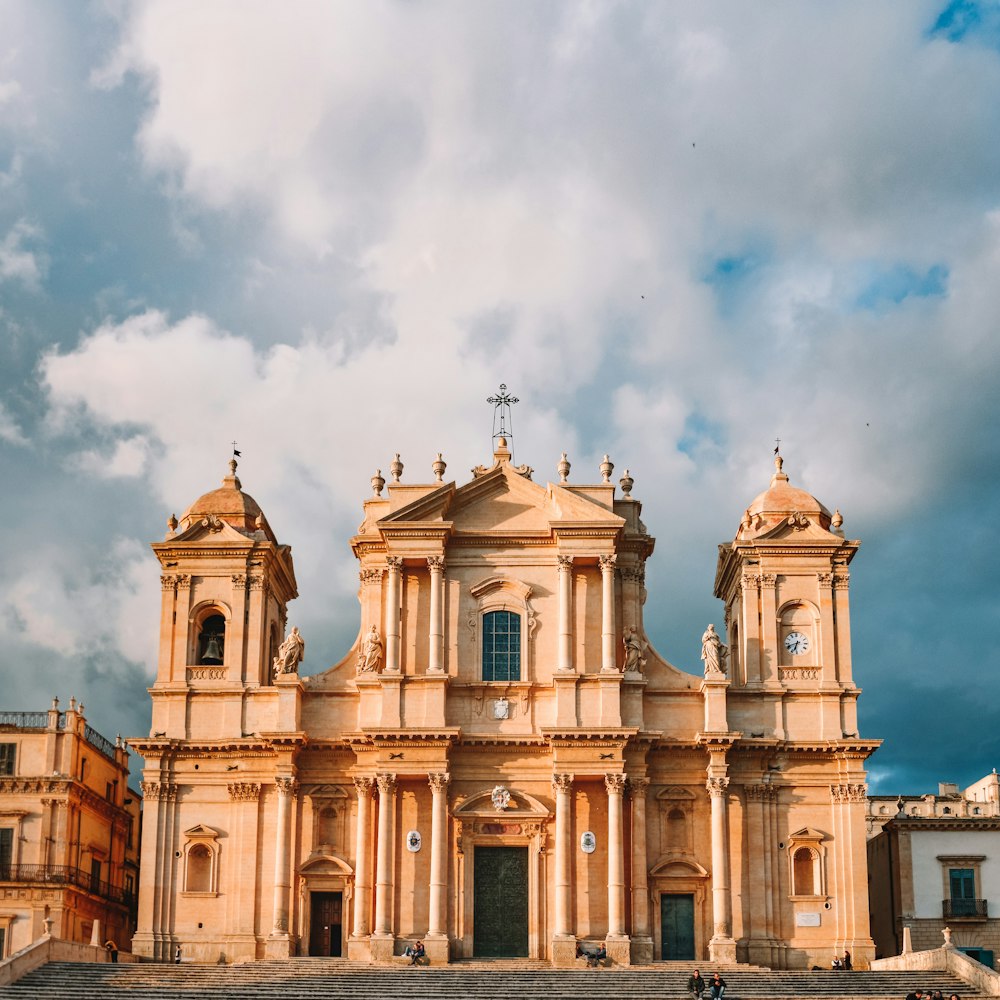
502,403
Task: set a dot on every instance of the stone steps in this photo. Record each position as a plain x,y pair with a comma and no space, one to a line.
336,979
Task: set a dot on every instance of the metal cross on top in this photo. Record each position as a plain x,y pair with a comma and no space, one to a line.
502,403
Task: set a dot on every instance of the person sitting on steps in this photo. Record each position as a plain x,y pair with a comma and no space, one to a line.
696,985
597,957
717,987
415,952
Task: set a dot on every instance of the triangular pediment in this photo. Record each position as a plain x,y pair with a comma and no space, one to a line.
432,506
799,528
503,500
211,529
201,832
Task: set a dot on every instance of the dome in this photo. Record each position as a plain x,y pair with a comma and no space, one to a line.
781,500
228,503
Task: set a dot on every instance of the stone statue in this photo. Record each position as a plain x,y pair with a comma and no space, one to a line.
634,660
290,653
370,654
712,653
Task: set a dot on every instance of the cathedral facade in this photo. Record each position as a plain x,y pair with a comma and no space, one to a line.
501,765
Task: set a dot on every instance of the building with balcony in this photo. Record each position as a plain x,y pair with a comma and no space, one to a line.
69,830
934,862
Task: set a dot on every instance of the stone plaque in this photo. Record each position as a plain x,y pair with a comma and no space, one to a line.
807,920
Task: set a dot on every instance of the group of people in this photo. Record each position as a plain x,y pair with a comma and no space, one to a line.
842,963
594,958
929,995
415,952
714,987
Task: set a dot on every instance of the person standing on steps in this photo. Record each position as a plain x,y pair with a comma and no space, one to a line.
717,987
847,961
696,985
112,949
177,955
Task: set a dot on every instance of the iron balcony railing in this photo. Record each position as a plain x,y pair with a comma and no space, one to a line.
40,720
65,875
968,909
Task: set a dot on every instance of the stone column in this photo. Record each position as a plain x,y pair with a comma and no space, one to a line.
608,646
565,660
435,660
363,858
642,941
722,948
563,784
438,924
392,613
383,870
287,787
615,784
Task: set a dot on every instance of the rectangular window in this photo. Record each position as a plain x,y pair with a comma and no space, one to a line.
501,646
6,850
8,753
962,884
95,875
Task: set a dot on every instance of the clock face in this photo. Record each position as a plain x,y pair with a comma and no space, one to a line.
796,642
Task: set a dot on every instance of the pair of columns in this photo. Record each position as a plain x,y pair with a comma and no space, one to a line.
393,603
438,926
608,648
615,785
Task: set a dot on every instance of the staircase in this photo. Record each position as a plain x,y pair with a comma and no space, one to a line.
338,979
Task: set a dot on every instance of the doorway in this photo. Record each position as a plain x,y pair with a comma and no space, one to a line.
500,906
326,924
677,926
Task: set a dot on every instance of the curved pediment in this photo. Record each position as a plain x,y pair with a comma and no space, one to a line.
521,805
678,866
325,864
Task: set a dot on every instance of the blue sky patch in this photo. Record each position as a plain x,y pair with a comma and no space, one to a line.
972,20
885,285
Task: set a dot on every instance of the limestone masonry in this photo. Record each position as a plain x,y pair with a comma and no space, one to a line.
501,764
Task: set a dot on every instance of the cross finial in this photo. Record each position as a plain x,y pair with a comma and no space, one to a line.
777,445
502,403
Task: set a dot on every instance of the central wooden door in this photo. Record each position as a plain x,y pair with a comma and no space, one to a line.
500,907
326,924
677,926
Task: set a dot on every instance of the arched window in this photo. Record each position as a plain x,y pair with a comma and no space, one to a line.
199,869
501,646
201,860
803,871
212,639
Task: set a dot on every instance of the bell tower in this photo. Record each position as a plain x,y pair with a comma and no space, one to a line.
784,582
226,584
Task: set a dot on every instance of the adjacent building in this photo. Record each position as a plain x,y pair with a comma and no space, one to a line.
69,830
501,764
934,862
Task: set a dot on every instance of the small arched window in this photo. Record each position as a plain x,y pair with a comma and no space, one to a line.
804,871
501,646
199,869
212,639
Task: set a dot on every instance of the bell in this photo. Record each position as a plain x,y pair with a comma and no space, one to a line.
213,651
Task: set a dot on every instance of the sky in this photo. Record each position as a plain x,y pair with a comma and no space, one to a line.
676,232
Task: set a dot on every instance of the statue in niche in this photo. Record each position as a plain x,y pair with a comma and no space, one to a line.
370,654
713,653
634,660
290,653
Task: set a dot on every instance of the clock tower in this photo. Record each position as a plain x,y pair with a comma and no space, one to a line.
784,582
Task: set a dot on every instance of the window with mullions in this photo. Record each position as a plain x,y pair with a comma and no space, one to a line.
8,752
501,646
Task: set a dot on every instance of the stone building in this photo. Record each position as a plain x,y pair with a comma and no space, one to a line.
501,764
934,862
69,830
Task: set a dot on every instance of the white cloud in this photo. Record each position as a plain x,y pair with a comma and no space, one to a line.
10,431
17,263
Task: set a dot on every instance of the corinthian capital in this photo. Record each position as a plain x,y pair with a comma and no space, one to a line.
614,783
562,782
717,786
386,783
439,781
